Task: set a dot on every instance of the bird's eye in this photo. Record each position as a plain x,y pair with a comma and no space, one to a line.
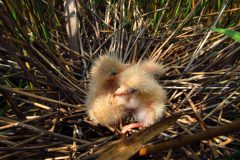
113,72
132,90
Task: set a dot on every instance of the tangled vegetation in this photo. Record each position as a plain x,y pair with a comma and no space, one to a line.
44,77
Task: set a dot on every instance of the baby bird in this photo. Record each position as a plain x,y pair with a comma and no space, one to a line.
101,105
141,93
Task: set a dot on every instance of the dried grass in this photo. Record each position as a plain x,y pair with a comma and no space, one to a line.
43,81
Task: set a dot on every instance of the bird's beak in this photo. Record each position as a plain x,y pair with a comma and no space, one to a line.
120,92
124,92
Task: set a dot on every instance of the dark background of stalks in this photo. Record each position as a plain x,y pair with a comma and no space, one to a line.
44,72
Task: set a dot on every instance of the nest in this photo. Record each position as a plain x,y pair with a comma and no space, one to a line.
44,76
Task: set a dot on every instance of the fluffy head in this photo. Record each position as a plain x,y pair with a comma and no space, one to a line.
141,76
136,80
105,72
104,76
139,86
105,67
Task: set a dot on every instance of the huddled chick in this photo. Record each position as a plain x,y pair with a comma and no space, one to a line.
101,105
141,93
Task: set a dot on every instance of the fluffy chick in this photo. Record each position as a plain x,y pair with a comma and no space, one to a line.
101,105
141,93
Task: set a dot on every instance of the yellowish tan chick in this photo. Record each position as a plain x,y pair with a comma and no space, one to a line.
141,93
104,81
